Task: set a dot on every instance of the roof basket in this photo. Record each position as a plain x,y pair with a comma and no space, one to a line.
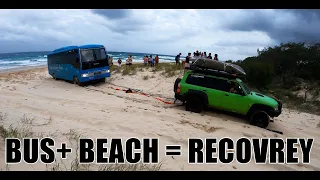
216,68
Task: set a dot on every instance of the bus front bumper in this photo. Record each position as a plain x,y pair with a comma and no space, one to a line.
92,77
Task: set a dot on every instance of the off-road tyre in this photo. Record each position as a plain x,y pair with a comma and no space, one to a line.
176,84
259,118
194,104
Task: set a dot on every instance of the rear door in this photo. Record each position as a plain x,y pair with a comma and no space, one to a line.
215,91
202,83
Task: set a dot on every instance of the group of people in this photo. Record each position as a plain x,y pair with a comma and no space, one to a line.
149,61
199,54
196,54
128,61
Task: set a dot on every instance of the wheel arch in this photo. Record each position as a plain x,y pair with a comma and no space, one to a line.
260,107
197,93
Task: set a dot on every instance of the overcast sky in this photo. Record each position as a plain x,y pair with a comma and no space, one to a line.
233,34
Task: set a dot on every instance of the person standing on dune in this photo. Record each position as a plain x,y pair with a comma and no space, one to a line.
150,60
119,62
209,56
145,60
111,61
216,57
197,54
205,55
187,63
178,59
156,59
130,60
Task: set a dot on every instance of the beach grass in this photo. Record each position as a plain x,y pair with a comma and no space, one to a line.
166,69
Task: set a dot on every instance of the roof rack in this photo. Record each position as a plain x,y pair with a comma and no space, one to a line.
209,71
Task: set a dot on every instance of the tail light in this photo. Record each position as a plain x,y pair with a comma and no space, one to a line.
178,89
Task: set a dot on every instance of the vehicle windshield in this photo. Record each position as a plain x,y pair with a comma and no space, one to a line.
89,55
245,88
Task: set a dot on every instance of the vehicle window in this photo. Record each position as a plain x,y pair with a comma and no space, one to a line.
100,54
194,79
68,57
72,58
246,88
64,58
235,88
50,57
218,84
57,58
87,55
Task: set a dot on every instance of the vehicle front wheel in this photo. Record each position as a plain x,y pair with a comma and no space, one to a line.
54,76
194,104
76,81
260,119
103,80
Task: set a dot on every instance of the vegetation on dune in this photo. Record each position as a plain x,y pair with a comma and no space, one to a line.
166,69
287,61
285,69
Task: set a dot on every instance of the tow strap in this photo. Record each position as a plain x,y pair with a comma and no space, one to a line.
136,91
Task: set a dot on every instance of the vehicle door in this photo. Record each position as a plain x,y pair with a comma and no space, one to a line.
198,82
214,88
235,100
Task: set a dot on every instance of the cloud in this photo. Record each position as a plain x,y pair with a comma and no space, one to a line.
280,25
113,13
233,34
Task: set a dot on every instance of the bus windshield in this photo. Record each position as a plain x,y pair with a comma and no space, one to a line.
89,55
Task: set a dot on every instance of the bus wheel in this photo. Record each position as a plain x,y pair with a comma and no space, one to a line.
76,81
103,80
54,76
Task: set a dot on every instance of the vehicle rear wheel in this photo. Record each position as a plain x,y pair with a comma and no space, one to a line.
260,119
176,84
54,76
76,81
194,104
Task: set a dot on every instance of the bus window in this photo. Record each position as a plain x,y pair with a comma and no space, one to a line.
100,54
87,55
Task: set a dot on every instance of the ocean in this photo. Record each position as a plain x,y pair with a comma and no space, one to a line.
25,59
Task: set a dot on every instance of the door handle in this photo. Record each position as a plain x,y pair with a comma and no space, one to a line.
226,94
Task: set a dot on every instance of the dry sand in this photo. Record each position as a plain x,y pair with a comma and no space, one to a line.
32,99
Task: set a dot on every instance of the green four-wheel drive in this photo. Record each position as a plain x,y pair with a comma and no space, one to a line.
200,89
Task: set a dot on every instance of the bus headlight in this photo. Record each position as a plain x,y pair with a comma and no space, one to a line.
106,71
85,75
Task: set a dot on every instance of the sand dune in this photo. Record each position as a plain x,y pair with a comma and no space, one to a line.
32,99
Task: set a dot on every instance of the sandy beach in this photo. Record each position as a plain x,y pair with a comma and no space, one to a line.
36,105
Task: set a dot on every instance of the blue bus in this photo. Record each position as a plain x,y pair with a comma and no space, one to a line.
79,64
